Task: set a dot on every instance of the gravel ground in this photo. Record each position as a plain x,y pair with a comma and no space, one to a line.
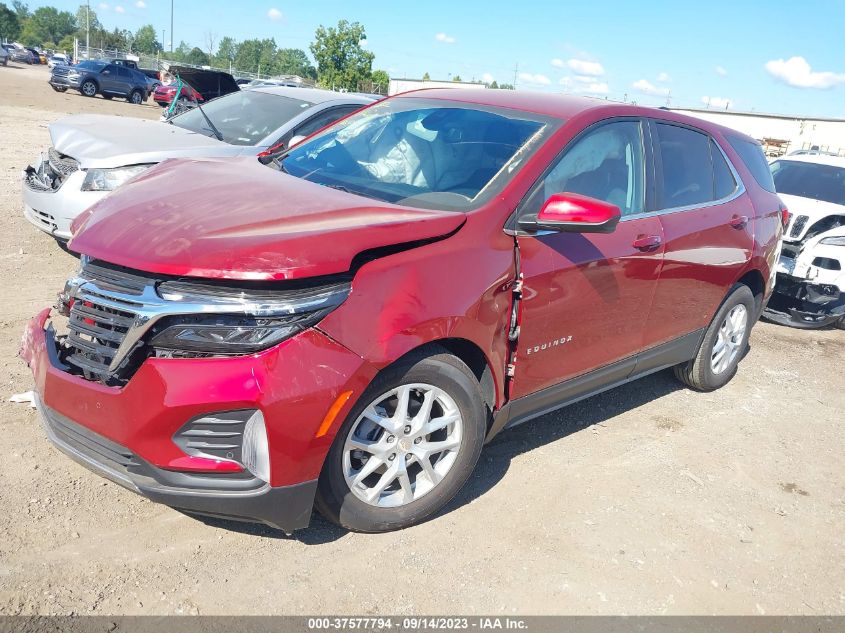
649,499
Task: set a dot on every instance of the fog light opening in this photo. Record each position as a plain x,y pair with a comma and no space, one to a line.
256,451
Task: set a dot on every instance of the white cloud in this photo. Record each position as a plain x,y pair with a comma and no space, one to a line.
585,85
721,71
664,78
534,80
795,71
103,6
558,63
719,103
141,4
487,78
446,39
119,9
646,87
274,14
584,67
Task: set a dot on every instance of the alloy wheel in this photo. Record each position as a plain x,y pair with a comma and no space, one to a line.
729,339
402,445
89,89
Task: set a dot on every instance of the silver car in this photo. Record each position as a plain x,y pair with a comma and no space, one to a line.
93,154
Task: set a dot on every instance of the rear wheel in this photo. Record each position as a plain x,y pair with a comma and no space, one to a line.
406,448
136,97
723,345
88,88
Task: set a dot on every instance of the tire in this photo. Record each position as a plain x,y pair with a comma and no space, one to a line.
456,395
136,97
840,324
709,370
88,88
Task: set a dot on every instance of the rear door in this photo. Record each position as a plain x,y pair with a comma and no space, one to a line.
707,226
587,296
109,79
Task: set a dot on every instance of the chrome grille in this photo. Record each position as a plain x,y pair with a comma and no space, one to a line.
96,329
798,225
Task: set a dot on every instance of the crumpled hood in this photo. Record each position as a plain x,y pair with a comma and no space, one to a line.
239,219
98,140
815,210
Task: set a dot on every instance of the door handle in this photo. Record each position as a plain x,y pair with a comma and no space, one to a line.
647,242
739,221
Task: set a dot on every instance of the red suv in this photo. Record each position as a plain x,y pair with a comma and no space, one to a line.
346,326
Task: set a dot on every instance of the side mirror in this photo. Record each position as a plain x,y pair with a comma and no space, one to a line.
296,140
574,213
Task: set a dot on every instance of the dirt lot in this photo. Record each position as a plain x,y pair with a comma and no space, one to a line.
649,499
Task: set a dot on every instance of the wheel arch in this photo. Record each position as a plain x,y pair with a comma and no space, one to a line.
756,283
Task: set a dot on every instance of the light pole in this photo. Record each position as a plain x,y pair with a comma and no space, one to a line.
171,26
87,28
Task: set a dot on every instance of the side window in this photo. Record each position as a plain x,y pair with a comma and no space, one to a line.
606,163
124,73
109,69
724,183
687,169
752,155
323,119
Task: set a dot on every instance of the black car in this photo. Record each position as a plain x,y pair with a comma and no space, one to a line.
94,77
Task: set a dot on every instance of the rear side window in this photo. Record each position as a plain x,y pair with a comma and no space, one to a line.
687,168
752,155
724,183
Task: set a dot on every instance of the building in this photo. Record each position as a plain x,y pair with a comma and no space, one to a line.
780,134
405,85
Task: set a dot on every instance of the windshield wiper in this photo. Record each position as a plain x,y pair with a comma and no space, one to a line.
207,120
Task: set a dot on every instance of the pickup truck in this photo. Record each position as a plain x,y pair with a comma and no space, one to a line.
129,63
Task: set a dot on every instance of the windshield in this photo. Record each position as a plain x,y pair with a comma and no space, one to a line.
810,180
426,153
243,118
91,65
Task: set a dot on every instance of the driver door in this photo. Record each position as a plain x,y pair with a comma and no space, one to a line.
587,296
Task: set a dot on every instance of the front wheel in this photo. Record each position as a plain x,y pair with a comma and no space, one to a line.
723,345
406,448
88,88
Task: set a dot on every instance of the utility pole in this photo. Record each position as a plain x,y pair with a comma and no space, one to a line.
87,28
162,39
171,26
515,72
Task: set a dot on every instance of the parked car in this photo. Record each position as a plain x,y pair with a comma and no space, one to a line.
58,59
4,56
93,154
97,77
348,325
21,55
810,288
36,55
198,86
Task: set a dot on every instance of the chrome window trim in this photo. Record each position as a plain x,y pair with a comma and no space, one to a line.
737,192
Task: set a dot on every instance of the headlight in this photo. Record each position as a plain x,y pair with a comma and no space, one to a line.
226,322
110,179
834,241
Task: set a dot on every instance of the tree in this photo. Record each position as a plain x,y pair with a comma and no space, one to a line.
457,78
380,80
506,86
210,39
256,56
226,52
294,61
145,40
426,77
494,85
10,27
341,60
65,45
84,18
21,9
47,24
197,57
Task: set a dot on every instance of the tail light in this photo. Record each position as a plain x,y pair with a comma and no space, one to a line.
784,216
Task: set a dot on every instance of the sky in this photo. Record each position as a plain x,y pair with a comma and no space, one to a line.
777,56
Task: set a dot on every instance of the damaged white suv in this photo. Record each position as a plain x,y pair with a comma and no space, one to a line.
810,288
